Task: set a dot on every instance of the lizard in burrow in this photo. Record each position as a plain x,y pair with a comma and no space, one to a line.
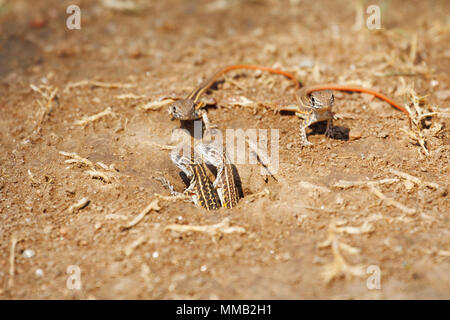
321,100
190,108
200,188
215,154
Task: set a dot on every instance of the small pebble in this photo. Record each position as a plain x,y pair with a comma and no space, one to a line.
306,63
38,22
134,53
339,199
203,268
355,134
39,273
48,229
155,254
63,231
408,185
382,134
28,253
442,94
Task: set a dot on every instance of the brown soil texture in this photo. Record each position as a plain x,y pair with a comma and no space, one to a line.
153,49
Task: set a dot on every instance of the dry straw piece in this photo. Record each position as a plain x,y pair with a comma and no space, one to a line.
221,227
93,83
339,267
49,95
85,120
93,173
80,204
152,206
12,261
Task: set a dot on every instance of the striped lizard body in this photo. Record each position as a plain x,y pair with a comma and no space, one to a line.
225,178
201,188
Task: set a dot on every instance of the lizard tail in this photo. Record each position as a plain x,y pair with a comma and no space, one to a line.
337,87
195,95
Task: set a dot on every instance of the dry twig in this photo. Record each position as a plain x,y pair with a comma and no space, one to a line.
365,228
136,243
99,84
221,227
85,120
49,94
152,206
252,197
309,186
390,201
343,184
11,261
339,267
82,203
129,96
413,179
156,105
93,173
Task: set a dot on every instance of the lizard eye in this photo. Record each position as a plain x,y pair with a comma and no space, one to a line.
315,102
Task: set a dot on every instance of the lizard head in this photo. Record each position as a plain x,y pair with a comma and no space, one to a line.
183,110
321,99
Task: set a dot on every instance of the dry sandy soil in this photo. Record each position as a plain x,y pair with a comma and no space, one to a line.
306,237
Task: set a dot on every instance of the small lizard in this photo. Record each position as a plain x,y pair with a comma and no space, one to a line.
190,108
200,187
225,185
319,106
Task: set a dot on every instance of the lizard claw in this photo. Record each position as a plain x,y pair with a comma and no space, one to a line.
307,144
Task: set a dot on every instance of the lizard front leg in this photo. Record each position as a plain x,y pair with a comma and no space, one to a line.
307,120
329,131
208,125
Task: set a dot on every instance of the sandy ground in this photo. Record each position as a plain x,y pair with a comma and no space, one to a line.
306,235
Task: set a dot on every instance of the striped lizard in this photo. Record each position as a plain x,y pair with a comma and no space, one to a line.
225,182
200,187
321,100
190,108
